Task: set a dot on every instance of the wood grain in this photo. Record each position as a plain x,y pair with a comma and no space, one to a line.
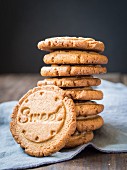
13,86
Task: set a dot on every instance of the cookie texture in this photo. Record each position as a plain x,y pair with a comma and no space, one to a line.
67,70
79,138
85,93
43,120
89,123
74,57
81,43
88,108
71,81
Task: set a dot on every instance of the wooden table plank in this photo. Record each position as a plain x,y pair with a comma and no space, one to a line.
13,86
114,77
124,79
91,159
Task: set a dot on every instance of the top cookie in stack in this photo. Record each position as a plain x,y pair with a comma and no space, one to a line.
74,61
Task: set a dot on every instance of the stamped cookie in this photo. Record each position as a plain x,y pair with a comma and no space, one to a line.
75,57
79,138
81,43
89,123
88,108
71,81
43,120
67,70
85,93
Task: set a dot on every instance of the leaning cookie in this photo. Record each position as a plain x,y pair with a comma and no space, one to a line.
89,123
68,70
81,43
79,138
74,57
71,81
43,120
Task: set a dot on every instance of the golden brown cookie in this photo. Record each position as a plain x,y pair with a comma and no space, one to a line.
89,123
79,138
81,43
43,120
85,93
71,81
75,57
88,108
67,70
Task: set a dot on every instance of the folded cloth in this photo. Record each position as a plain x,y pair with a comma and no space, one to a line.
112,137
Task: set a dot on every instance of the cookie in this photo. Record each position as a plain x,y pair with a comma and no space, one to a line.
75,57
88,108
89,123
81,43
71,81
43,120
85,93
67,70
79,138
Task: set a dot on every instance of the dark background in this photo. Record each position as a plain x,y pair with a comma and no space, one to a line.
25,22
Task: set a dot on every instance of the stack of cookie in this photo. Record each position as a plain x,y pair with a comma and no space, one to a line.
74,61
59,112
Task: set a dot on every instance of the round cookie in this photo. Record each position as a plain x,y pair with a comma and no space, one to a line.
79,138
81,43
89,123
75,57
67,70
88,108
71,81
43,120
85,93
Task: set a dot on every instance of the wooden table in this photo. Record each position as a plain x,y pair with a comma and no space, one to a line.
13,86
